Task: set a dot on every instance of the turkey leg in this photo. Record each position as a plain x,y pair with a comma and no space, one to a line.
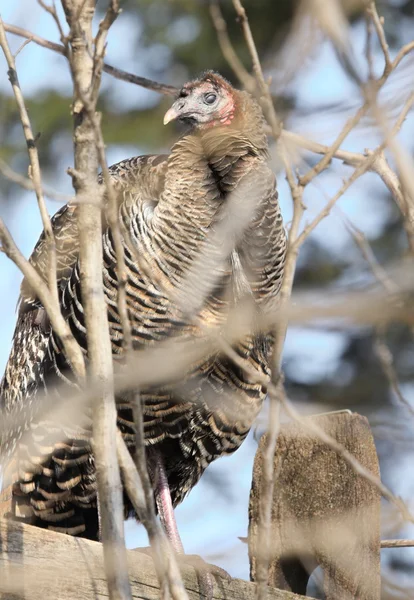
165,507
167,518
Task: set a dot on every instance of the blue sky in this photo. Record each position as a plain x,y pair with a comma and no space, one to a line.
214,515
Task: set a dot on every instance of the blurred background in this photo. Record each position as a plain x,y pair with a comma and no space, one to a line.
326,368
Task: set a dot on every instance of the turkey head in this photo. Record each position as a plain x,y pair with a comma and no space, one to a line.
204,103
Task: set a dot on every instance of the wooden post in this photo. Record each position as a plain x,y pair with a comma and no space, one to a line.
323,513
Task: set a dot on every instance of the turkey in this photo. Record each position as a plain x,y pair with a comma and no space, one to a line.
173,209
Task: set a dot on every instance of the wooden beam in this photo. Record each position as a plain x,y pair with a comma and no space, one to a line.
323,513
37,564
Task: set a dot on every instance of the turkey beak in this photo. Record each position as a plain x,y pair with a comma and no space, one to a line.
173,113
170,115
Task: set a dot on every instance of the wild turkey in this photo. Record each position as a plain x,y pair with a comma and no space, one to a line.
171,208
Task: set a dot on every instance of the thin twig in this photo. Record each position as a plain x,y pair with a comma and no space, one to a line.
264,93
35,173
386,359
366,250
227,48
53,12
111,14
397,543
404,162
358,172
368,48
296,189
361,169
380,166
378,22
28,184
20,48
374,87
36,39
148,84
279,333
60,326
351,123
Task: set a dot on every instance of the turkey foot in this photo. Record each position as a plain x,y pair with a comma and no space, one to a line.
205,572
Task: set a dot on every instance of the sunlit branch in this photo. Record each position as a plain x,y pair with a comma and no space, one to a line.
148,84
34,164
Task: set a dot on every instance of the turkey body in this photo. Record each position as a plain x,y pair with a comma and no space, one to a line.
169,207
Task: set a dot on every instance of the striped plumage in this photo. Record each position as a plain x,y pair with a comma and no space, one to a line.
168,206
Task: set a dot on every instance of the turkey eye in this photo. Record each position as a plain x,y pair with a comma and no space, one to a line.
210,98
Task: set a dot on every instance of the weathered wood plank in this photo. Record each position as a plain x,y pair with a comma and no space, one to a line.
6,502
323,513
36,564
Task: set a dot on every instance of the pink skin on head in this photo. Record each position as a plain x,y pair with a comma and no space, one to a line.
225,114
192,107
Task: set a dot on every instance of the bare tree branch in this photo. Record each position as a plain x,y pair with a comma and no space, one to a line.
84,69
72,349
148,84
53,12
27,183
378,270
34,164
387,363
372,12
265,96
397,543
363,167
227,48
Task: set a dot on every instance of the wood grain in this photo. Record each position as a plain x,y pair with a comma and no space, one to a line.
323,513
37,564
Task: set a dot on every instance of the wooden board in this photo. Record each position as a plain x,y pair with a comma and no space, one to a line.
36,564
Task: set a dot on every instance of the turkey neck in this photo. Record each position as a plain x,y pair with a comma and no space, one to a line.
204,167
232,149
